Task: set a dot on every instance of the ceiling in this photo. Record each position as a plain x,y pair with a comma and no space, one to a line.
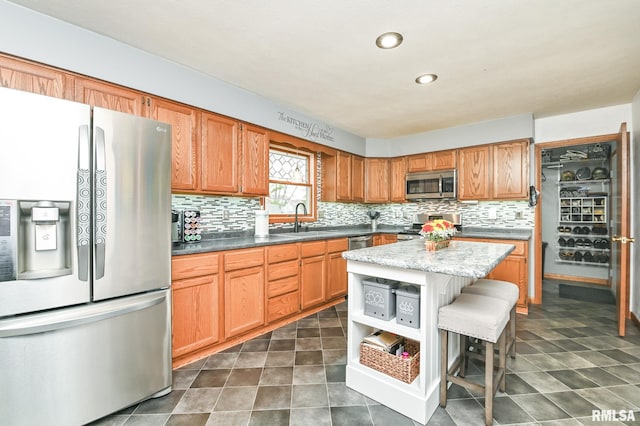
493,58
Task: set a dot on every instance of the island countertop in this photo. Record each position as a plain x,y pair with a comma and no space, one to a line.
461,258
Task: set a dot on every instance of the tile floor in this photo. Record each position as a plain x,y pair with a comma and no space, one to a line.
570,362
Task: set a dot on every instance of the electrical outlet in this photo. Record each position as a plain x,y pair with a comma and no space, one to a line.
493,213
225,214
320,214
518,215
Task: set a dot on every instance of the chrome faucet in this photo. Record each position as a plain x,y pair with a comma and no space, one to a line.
296,225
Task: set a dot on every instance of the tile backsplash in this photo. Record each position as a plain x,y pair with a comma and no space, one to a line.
227,214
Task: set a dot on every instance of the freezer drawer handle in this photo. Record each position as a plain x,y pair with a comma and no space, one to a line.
83,210
100,225
71,318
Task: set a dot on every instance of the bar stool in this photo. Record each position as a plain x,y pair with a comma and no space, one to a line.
506,291
483,318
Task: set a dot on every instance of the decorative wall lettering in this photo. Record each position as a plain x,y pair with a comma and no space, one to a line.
308,129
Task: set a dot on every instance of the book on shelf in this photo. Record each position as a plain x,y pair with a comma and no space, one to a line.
383,340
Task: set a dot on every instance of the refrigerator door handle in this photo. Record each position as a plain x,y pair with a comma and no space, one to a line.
48,322
100,225
83,211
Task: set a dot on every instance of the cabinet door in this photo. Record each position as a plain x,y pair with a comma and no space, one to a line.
336,276
420,162
473,173
195,307
255,160
343,176
444,160
219,154
397,177
313,277
244,300
116,98
20,75
511,170
357,178
185,123
513,269
377,181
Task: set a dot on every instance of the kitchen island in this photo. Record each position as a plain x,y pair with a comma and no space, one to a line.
440,276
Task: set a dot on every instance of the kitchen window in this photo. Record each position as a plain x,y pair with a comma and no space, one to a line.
291,181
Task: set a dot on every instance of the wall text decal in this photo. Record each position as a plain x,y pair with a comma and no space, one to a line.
308,129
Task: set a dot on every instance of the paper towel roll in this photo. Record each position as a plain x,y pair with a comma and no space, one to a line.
262,223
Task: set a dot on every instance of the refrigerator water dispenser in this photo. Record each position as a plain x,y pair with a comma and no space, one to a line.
44,239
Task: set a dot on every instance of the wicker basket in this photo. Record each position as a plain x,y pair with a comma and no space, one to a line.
405,370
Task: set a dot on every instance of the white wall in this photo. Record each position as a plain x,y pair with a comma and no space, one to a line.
601,121
504,129
35,36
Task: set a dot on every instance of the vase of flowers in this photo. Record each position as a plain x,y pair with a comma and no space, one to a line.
437,234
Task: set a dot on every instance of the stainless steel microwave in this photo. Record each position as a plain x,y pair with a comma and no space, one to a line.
431,185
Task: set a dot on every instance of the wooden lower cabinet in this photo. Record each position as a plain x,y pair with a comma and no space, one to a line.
244,283
313,273
283,281
336,268
195,303
382,239
513,269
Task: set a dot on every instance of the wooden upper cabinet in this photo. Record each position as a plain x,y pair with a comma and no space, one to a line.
21,75
511,170
219,157
185,125
377,180
420,162
255,160
357,178
444,160
109,96
343,176
474,173
397,179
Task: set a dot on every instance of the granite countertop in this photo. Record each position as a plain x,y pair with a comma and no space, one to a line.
496,233
247,240
461,258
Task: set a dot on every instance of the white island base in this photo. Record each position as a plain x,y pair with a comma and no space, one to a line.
419,399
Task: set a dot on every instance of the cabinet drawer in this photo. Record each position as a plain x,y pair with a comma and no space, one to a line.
281,253
194,265
280,307
313,249
243,259
283,270
337,245
282,286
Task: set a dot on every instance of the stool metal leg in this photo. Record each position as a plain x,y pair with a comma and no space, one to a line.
443,366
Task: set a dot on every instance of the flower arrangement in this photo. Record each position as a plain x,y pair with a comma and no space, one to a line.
438,230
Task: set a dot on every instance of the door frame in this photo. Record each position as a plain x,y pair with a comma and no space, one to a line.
537,298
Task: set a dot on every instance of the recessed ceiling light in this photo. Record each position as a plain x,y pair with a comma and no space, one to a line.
426,78
389,40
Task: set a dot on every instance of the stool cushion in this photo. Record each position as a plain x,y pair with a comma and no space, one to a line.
504,290
476,316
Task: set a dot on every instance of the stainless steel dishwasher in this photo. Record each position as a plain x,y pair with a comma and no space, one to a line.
360,242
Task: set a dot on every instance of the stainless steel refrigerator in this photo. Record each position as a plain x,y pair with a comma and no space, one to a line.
85,251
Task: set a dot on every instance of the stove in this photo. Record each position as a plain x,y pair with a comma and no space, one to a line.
412,232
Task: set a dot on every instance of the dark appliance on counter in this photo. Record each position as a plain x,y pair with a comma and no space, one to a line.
413,232
441,185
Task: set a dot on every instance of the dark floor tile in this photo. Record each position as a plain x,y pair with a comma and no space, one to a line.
276,376
516,386
269,417
308,358
328,313
266,336
341,395
255,346
334,343
465,411
198,400
280,359
236,398
601,377
235,348
627,374
305,396
278,345
545,346
273,397
310,417
572,403
229,418
350,416
332,332
382,415
334,356
541,408
199,419
335,373
165,404
457,392
570,345
244,376
441,418
211,378
570,332
572,379
308,332
527,335
622,357
628,393
505,411
526,349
